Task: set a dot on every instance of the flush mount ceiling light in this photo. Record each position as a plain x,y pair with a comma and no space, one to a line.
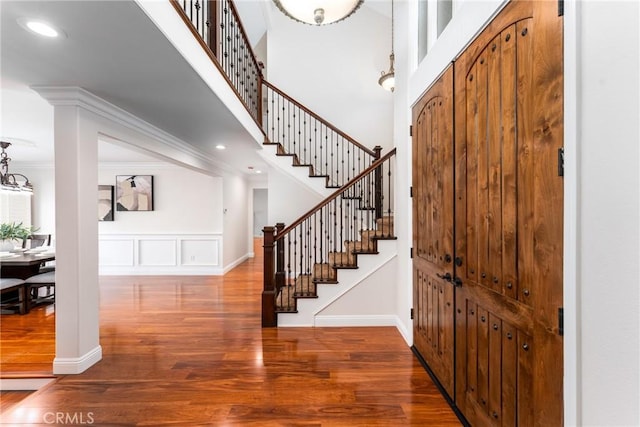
318,12
388,80
221,147
40,28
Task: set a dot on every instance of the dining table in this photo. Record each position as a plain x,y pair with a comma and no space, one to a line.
24,264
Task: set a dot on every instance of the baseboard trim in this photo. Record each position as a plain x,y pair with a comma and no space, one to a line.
406,334
356,320
24,384
160,271
235,263
77,365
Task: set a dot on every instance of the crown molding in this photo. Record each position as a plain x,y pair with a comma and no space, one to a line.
75,96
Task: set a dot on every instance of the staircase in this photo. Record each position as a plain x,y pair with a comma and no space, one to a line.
304,260
306,284
329,250
298,138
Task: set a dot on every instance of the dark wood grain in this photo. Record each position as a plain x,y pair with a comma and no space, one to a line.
191,351
508,93
433,238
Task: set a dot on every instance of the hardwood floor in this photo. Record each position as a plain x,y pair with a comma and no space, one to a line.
190,351
27,343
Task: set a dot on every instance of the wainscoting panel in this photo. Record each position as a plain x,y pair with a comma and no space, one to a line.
157,252
160,254
201,252
116,252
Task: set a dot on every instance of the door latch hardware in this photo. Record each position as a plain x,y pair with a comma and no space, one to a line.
561,321
457,281
560,161
446,276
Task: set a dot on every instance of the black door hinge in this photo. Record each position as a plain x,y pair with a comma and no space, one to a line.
412,314
410,191
560,161
560,7
561,321
410,130
411,252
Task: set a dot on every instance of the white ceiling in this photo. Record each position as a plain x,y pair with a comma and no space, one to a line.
113,50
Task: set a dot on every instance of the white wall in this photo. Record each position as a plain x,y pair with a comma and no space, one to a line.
184,201
375,296
334,70
236,215
608,255
169,215
182,235
260,210
288,198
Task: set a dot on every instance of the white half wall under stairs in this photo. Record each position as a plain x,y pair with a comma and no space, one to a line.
374,279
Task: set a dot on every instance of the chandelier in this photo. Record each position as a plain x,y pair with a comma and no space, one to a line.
9,181
318,12
388,79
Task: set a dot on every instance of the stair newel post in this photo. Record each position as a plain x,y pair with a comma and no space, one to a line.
377,182
280,272
269,317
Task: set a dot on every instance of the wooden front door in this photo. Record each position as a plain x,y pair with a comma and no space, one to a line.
433,320
508,219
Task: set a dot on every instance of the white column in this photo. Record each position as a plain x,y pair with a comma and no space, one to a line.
76,183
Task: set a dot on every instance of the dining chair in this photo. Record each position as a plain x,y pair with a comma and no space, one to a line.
36,240
33,285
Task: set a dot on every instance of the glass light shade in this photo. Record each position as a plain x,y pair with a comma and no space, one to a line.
318,12
388,81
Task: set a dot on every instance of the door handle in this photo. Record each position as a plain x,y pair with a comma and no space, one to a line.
446,276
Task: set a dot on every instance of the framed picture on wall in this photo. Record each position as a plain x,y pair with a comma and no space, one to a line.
105,202
134,192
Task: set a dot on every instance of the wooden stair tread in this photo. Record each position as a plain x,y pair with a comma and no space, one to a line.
305,285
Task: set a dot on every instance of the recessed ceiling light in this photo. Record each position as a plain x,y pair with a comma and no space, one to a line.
41,28
258,171
221,147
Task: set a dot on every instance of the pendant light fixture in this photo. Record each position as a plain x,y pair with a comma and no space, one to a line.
318,12
388,79
9,181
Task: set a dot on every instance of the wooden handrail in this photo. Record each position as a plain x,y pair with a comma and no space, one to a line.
216,63
317,117
335,194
